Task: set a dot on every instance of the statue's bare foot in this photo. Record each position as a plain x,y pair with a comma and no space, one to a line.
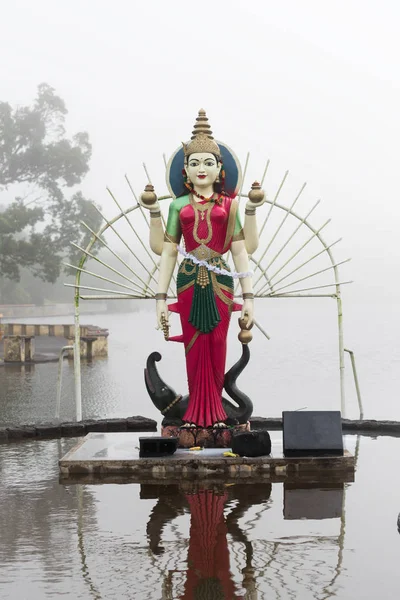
220,425
189,425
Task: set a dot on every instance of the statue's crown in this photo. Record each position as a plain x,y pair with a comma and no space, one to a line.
202,139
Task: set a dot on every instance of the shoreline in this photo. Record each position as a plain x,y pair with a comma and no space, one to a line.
47,349
60,429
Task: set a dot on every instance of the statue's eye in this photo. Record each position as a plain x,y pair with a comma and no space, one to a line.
194,163
209,164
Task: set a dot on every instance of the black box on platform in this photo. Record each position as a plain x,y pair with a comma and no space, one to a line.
157,446
251,443
312,433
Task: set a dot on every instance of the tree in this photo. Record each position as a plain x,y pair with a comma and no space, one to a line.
40,163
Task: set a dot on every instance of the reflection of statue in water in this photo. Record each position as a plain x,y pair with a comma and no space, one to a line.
208,574
204,215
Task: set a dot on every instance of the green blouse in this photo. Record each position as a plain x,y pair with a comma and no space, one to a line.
173,232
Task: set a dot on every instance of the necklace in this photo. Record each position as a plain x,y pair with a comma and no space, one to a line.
203,197
204,211
211,198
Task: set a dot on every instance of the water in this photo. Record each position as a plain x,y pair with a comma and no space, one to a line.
100,541
297,368
132,541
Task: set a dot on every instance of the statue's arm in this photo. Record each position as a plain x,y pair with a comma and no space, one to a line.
156,231
168,260
241,262
250,229
148,200
167,266
256,198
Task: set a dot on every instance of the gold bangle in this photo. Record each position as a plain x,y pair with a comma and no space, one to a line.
248,296
160,296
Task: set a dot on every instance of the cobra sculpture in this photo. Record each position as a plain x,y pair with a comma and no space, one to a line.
173,406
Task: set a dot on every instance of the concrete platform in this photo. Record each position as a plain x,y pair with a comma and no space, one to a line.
115,456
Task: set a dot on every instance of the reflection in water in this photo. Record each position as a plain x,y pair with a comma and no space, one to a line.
108,542
208,574
215,533
307,501
94,593
181,541
38,516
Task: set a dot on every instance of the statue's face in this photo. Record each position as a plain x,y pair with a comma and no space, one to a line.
202,169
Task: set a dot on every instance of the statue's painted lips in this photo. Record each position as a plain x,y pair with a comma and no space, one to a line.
201,176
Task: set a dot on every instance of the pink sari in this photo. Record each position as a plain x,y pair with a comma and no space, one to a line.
205,303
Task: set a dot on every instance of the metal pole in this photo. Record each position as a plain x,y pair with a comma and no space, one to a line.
77,361
353,364
77,345
341,353
59,379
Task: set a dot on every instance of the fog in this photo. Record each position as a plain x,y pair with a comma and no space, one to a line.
313,86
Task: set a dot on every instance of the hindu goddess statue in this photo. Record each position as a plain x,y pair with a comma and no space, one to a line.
203,225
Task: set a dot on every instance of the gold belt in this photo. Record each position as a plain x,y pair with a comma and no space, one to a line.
202,252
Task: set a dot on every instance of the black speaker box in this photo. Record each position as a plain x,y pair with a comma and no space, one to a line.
157,446
312,433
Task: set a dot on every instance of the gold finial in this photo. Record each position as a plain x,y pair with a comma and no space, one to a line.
245,336
202,125
148,197
202,139
256,194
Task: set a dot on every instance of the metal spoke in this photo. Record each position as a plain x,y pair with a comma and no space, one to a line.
313,236
264,174
101,277
312,275
317,287
244,175
131,226
137,202
149,180
109,266
273,203
257,324
292,235
96,289
121,297
300,266
147,173
280,227
126,246
293,295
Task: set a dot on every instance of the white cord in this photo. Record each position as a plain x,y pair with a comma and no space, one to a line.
204,263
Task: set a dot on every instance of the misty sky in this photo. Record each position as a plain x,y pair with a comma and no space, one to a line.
312,85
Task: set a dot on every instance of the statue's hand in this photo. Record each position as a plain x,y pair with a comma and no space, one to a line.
148,199
162,311
155,207
256,196
248,311
252,205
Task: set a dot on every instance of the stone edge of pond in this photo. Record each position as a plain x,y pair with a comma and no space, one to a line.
53,430
369,427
